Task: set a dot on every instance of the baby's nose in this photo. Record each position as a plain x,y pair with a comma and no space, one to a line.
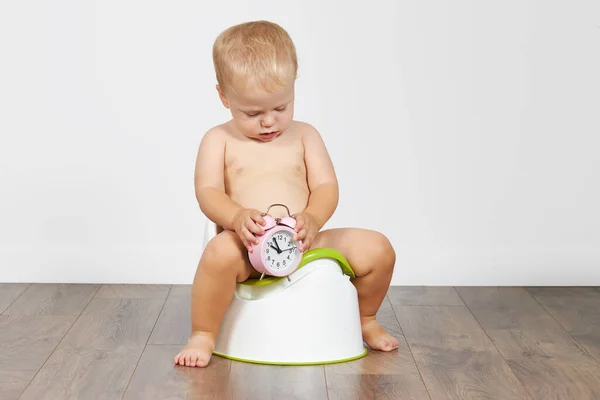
268,121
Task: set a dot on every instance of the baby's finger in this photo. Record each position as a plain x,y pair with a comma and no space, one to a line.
305,245
300,235
249,236
255,215
245,242
254,227
299,223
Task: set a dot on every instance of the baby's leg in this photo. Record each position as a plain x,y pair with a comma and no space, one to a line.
372,258
224,262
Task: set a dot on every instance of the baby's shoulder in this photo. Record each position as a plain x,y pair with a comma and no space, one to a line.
307,133
303,128
217,132
217,136
310,136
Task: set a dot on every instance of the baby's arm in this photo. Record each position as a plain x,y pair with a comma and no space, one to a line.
321,177
209,182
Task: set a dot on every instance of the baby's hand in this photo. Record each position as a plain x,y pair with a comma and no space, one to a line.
247,223
306,228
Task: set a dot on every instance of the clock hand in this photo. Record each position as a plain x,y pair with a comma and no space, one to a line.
276,249
277,244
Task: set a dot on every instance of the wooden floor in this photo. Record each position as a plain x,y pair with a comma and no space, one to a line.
118,342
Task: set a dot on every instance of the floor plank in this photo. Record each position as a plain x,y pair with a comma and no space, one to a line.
424,296
454,355
26,342
363,387
133,292
97,357
174,323
53,299
156,377
9,292
115,325
86,374
577,310
545,358
262,382
385,373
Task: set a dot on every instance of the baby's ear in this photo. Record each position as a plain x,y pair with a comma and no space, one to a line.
222,96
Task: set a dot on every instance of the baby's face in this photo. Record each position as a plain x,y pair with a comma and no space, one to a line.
260,114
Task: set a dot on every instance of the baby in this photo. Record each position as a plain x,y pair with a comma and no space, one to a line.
260,157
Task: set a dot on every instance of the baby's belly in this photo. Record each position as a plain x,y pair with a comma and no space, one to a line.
260,193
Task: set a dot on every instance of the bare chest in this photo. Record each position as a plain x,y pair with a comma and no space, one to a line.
260,174
249,160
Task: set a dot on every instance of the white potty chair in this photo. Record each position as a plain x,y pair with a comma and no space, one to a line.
310,318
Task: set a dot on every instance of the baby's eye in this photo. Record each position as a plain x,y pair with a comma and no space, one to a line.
252,114
281,108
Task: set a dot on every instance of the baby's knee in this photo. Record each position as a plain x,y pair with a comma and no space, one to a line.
382,248
222,254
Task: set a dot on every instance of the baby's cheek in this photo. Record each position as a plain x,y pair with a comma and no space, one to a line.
250,127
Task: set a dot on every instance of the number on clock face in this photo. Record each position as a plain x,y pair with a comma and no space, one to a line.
281,250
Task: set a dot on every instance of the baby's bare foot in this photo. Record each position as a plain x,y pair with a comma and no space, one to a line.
376,336
198,351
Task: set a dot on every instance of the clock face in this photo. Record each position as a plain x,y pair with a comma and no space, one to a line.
281,250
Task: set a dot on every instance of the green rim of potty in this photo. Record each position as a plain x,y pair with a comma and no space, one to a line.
307,257
364,353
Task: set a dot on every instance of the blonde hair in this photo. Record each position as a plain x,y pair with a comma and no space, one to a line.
256,50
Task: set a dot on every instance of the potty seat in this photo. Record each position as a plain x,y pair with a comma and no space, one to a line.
309,317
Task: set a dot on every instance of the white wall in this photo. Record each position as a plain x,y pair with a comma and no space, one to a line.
471,133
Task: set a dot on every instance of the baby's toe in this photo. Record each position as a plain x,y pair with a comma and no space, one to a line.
388,345
201,362
177,358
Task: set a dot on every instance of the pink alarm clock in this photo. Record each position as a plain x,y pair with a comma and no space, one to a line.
277,253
